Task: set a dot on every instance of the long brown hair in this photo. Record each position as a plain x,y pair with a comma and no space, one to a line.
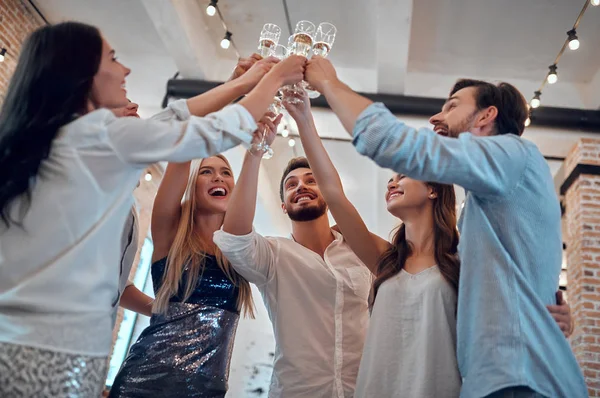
445,241
189,250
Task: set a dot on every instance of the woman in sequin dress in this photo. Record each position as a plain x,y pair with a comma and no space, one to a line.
186,350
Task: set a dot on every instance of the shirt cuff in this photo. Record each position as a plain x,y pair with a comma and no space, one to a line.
228,242
239,123
180,109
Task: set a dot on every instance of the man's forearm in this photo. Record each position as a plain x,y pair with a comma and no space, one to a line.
345,103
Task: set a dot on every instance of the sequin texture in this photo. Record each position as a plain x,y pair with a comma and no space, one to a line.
187,351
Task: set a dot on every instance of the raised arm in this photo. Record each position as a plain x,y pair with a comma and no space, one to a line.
249,253
242,204
243,82
484,165
367,246
167,207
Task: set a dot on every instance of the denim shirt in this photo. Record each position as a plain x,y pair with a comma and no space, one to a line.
510,251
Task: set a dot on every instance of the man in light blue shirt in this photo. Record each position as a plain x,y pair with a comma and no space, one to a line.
508,344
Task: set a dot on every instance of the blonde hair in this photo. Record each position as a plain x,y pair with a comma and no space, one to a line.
189,249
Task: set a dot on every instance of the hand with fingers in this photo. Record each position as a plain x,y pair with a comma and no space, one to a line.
561,312
128,110
257,71
319,72
244,64
290,70
265,135
299,108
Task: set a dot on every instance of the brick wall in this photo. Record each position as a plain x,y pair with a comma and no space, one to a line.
17,20
583,259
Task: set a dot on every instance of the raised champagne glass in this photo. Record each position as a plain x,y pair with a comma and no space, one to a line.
300,43
269,38
280,52
321,47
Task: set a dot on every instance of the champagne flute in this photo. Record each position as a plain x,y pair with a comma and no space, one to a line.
280,52
269,37
276,108
323,42
300,43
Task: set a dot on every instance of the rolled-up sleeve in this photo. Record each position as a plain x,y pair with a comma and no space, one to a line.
485,165
176,110
144,142
252,255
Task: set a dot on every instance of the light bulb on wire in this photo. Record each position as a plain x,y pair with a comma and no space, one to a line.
226,42
211,10
552,75
527,122
285,132
292,142
2,54
595,2
573,40
148,176
535,102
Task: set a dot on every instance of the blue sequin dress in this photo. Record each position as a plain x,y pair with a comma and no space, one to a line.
186,352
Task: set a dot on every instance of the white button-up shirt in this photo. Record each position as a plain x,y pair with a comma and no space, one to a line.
59,271
318,308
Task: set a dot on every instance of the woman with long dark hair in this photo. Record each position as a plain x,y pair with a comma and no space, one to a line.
410,345
67,171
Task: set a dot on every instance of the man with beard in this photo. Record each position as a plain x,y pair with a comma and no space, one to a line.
314,287
508,345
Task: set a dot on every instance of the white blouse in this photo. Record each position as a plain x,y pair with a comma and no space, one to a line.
410,349
59,272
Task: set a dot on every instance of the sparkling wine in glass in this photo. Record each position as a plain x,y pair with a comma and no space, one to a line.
269,37
323,42
300,43
280,52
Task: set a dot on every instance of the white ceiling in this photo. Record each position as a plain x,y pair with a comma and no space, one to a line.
393,46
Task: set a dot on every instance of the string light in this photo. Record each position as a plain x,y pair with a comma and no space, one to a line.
573,40
285,132
535,102
527,122
552,75
211,10
292,142
2,54
226,42
148,176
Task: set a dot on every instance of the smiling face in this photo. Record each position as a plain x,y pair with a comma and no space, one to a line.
302,200
458,114
404,196
214,185
108,89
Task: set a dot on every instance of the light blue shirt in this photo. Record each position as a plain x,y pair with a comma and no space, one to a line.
510,251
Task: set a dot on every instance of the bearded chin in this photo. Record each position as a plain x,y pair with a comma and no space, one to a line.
307,213
464,127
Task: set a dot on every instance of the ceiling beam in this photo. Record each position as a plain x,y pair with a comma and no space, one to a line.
568,118
394,19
